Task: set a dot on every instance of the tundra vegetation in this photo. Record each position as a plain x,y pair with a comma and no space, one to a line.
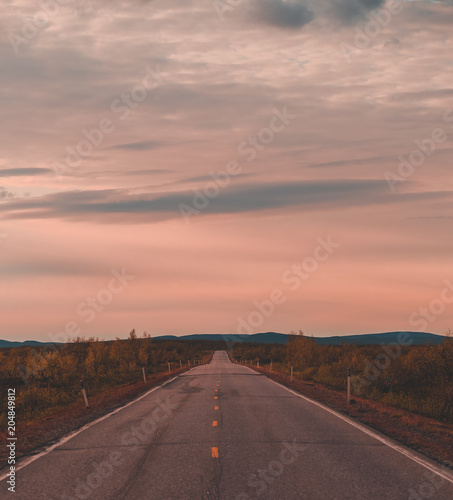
418,378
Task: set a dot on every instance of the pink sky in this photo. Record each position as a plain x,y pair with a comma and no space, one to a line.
218,89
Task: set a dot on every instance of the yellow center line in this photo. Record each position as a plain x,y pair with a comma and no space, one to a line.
216,407
214,423
216,397
215,452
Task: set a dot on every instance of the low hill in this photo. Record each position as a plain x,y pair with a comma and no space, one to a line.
261,338
416,338
32,343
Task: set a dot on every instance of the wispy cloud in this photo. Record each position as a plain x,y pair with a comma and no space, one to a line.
297,196
139,146
282,14
24,172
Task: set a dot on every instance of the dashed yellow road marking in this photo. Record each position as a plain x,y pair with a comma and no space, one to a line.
216,397
215,452
214,423
216,407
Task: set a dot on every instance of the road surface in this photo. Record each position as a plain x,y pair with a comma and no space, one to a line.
223,431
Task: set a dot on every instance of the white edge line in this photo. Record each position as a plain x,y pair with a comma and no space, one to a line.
362,427
27,461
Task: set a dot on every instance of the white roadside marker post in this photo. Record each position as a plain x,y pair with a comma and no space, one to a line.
169,367
144,375
291,371
349,386
84,394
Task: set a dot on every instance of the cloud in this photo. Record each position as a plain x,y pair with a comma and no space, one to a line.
295,14
124,206
139,146
21,172
392,41
350,11
39,266
5,194
434,217
442,93
282,14
101,174
204,179
356,161
149,171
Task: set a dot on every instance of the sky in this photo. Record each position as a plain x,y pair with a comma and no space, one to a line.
233,166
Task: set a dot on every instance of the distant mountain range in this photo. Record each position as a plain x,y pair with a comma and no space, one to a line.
417,338
7,343
260,338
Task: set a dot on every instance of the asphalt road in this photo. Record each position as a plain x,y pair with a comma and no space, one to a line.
223,431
